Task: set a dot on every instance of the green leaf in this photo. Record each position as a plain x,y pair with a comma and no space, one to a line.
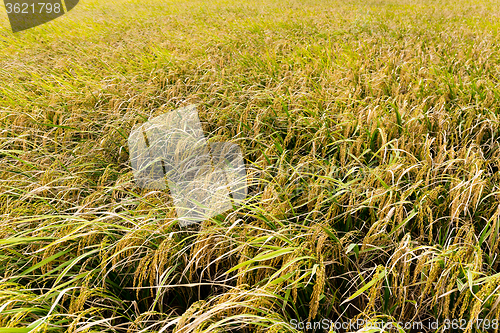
43,262
20,240
263,257
350,247
377,278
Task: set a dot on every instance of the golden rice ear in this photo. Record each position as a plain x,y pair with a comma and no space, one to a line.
228,158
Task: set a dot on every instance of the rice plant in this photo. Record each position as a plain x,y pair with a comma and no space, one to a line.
370,132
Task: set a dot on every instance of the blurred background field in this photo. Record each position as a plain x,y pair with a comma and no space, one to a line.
370,130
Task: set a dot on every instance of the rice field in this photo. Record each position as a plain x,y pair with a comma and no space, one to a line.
370,132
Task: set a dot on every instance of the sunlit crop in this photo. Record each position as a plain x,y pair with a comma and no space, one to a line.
370,131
